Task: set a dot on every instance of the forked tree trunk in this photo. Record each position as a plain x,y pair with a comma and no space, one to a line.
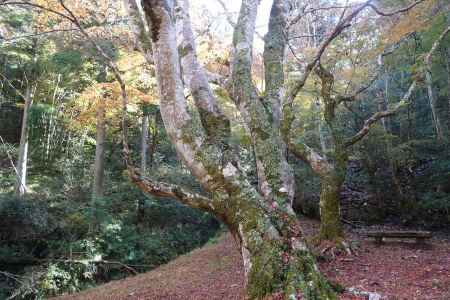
266,229
332,174
21,182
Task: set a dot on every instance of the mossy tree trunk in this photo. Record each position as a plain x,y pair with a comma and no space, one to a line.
260,218
276,258
330,216
330,165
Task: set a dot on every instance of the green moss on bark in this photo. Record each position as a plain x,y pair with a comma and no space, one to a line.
330,218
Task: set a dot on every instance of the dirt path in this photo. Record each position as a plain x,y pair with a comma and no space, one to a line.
396,270
212,272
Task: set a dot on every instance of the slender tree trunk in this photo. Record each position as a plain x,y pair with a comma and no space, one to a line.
144,142
99,163
144,151
432,98
154,141
384,101
448,83
21,181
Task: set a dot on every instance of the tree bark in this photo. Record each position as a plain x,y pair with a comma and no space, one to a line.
21,181
330,212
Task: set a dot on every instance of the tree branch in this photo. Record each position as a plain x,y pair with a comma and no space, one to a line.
381,114
230,20
380,62
307,154
274,55
344,22
117,75
139,29
391,13
19,3
404,101
214,121
36,34
227,13
166,190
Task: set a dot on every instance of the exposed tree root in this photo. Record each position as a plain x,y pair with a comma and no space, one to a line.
330,250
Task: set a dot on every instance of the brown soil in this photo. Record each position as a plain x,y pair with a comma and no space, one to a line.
396,270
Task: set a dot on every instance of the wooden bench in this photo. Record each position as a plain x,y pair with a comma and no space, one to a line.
420,236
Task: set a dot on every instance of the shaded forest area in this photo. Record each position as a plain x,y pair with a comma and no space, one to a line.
132,132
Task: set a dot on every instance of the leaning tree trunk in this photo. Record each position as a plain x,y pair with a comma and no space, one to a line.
21,181
432,96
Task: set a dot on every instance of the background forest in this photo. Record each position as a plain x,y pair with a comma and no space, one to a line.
69,216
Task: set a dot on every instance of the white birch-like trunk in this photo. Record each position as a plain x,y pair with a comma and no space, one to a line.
21,183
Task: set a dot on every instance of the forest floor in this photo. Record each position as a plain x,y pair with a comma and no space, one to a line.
396,270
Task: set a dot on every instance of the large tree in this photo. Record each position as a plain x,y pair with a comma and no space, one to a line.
261,218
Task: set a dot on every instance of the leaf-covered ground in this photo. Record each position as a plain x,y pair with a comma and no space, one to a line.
396,270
